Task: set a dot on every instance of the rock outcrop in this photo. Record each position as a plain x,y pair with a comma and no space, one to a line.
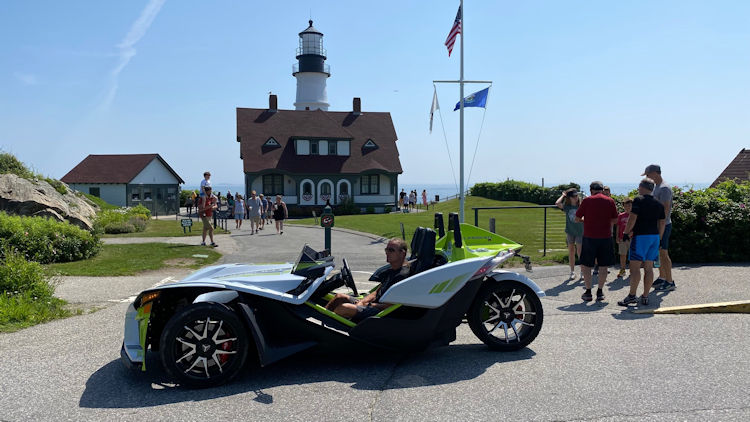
38,198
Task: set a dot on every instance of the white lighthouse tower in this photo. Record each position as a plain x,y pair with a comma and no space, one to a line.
311,71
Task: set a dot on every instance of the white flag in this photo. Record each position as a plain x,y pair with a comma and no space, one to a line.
435,106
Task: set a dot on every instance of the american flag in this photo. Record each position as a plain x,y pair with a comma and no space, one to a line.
454,32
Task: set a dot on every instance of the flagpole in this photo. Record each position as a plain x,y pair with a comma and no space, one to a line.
461,89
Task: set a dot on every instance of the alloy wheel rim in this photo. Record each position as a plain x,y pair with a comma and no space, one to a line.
205,347
507,316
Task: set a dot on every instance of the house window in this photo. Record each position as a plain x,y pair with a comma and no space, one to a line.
307,188
273,184
343,147
369,184
95,192
344,189
332,148
325,189
135,196
313,147
271,142
303,147
147,195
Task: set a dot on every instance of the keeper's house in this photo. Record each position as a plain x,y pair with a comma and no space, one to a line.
311,156
128,180
738,170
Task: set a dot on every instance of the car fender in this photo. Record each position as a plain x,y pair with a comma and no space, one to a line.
218,296
502,275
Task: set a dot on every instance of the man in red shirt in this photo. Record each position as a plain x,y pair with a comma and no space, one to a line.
598,214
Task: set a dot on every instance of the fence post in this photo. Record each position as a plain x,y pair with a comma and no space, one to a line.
544,248
492,225
403,233
476,217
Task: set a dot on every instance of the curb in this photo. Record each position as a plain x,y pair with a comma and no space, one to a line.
737,307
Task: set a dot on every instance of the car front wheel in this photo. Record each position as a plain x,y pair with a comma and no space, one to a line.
506,315
204,345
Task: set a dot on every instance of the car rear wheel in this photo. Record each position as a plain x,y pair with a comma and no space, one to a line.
204,345
506,315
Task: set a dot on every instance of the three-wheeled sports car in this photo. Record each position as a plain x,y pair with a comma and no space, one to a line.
208,325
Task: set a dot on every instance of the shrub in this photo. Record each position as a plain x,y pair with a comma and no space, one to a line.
387,210
513,190
185,194
370,210
122,220
102,204
347,207
44,240
10,164
19,276
711,225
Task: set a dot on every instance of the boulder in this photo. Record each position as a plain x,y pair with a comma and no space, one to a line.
38,198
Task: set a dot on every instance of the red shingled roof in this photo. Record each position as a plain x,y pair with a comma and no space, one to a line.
255,126
119,168
738,169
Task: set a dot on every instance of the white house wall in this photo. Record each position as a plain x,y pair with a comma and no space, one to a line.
111,193
155,173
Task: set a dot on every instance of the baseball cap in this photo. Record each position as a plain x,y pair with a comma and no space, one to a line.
652,168
596,185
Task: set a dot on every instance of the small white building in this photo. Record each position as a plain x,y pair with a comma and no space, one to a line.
128,180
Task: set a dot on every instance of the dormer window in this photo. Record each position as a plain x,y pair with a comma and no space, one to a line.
271,142
370,144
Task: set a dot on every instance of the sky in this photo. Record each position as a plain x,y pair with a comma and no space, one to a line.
581,90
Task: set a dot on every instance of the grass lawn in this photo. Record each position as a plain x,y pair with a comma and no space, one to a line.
21,311
167,228
525,226
115,260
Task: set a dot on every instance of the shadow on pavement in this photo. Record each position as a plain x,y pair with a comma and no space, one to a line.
567,285
115,386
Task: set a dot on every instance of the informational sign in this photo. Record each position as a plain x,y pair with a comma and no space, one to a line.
326,220
186,222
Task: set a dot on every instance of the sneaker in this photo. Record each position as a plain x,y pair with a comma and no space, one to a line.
586,296
572,275
666,287
599,295
621,273
644,300
658,282
628,300
214,245
203,243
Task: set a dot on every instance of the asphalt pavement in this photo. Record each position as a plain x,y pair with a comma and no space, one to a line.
591,361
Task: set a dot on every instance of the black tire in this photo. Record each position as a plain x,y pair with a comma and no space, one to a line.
219,348
506,315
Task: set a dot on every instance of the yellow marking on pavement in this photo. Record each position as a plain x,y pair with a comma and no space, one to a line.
736,307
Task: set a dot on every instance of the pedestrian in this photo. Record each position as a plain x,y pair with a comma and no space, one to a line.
254,208
569,203
401,199
598,214
239,211
663,194
206,207
412,199
205,182
280,214
645,227
623,243
230,204
269,209
262,211
424,198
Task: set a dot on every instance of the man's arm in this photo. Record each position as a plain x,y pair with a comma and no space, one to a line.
662,225
631,223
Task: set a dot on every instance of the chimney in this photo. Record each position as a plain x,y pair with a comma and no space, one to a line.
273,103
357,106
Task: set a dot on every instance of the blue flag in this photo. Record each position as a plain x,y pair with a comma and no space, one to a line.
477,99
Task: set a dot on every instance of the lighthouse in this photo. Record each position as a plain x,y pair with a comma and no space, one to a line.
311,71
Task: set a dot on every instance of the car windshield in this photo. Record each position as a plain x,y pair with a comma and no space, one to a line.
309,257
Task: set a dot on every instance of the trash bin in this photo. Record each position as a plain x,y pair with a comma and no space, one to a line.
437,198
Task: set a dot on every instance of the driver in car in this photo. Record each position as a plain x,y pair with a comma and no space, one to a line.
388,275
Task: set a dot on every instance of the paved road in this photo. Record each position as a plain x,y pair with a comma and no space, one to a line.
590,362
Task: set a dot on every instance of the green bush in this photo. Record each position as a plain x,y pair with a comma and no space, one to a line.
185,194
122,220
711,225
370,210
513,190
347,207
19,276
44,240
102,204
10,164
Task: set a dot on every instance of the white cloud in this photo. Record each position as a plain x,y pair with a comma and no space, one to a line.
127,48
26,78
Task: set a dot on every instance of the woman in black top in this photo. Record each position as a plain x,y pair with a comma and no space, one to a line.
280,214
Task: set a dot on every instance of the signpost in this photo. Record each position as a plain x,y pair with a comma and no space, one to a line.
326,221
187,223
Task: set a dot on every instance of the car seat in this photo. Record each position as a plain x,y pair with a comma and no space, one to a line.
423,250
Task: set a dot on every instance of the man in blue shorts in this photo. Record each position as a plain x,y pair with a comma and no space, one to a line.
663,194
645,227
598,214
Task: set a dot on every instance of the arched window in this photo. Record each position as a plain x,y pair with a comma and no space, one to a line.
325,189
307,188
344,189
